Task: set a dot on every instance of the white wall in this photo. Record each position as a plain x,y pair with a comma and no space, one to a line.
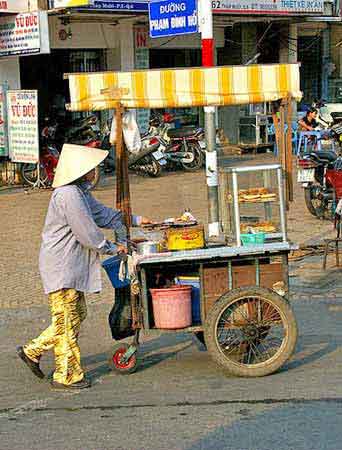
84,35
10,72
186,41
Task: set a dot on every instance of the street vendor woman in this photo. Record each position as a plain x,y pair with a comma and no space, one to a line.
69,262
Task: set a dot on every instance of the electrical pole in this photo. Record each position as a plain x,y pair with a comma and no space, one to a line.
207,39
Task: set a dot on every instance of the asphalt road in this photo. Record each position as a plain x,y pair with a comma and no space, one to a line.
178,399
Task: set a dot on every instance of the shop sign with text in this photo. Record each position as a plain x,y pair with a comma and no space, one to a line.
24,34
284,7
14,6
172,17
104,5
22,114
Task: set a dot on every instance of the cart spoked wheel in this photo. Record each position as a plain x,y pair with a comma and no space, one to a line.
251,332
117,361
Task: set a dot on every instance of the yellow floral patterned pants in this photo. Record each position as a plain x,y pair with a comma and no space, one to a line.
68,310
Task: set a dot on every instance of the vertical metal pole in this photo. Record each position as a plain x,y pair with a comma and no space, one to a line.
230,275
206,29
289,168
282,204
236,209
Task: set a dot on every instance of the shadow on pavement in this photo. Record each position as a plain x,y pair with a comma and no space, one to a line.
179,341
329,345
311,425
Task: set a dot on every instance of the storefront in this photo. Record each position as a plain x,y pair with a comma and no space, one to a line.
269,31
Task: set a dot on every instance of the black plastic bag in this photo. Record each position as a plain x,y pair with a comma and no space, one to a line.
120,317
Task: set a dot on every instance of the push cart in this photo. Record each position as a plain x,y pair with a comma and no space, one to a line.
248,328
245,320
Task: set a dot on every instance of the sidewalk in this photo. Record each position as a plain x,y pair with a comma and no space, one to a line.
22,218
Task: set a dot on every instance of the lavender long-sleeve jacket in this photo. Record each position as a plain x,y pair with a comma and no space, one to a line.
72,241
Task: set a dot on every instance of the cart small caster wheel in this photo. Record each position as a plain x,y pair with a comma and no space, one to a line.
116,363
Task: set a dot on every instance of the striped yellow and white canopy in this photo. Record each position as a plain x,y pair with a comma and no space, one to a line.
214,86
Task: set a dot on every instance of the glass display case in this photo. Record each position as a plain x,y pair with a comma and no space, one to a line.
252,206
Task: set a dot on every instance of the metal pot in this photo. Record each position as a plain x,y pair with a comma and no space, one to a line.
147,248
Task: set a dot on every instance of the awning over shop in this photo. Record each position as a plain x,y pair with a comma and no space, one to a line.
214,86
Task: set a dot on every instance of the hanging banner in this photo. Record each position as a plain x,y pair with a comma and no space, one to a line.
283,7
3,129
23,136
24,34
14,6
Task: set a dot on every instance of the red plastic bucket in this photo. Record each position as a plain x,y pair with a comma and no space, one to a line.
172,307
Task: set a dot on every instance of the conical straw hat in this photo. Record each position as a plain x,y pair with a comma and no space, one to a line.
75,161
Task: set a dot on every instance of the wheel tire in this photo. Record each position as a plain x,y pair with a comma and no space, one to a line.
197,163
308,200
320,212
156,169
116,365
97,177
29,174
282,308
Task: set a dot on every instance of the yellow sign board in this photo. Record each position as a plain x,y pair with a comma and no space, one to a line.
70,3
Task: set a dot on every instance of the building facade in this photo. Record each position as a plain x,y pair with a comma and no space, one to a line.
89,35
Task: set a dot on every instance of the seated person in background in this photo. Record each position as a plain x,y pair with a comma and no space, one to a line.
308,122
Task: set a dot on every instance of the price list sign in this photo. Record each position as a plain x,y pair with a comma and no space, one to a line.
22,113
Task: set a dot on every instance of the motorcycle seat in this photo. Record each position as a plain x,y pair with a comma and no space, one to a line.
325,156
181,132
133,158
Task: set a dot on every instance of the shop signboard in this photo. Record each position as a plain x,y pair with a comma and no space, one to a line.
23,137
104,5
24,34
14,6
3,129
281,7
172,17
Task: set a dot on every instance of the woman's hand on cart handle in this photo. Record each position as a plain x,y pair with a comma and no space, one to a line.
122,249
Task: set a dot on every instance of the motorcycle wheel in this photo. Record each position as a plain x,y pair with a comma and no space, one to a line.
317,207
29,174
198,160
156,169
96,179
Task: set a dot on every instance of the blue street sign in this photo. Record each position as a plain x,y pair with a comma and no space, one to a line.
115,5
172,17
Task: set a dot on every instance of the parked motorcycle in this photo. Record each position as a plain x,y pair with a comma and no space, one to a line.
51,142
329,114
181,146
148,161
320,173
